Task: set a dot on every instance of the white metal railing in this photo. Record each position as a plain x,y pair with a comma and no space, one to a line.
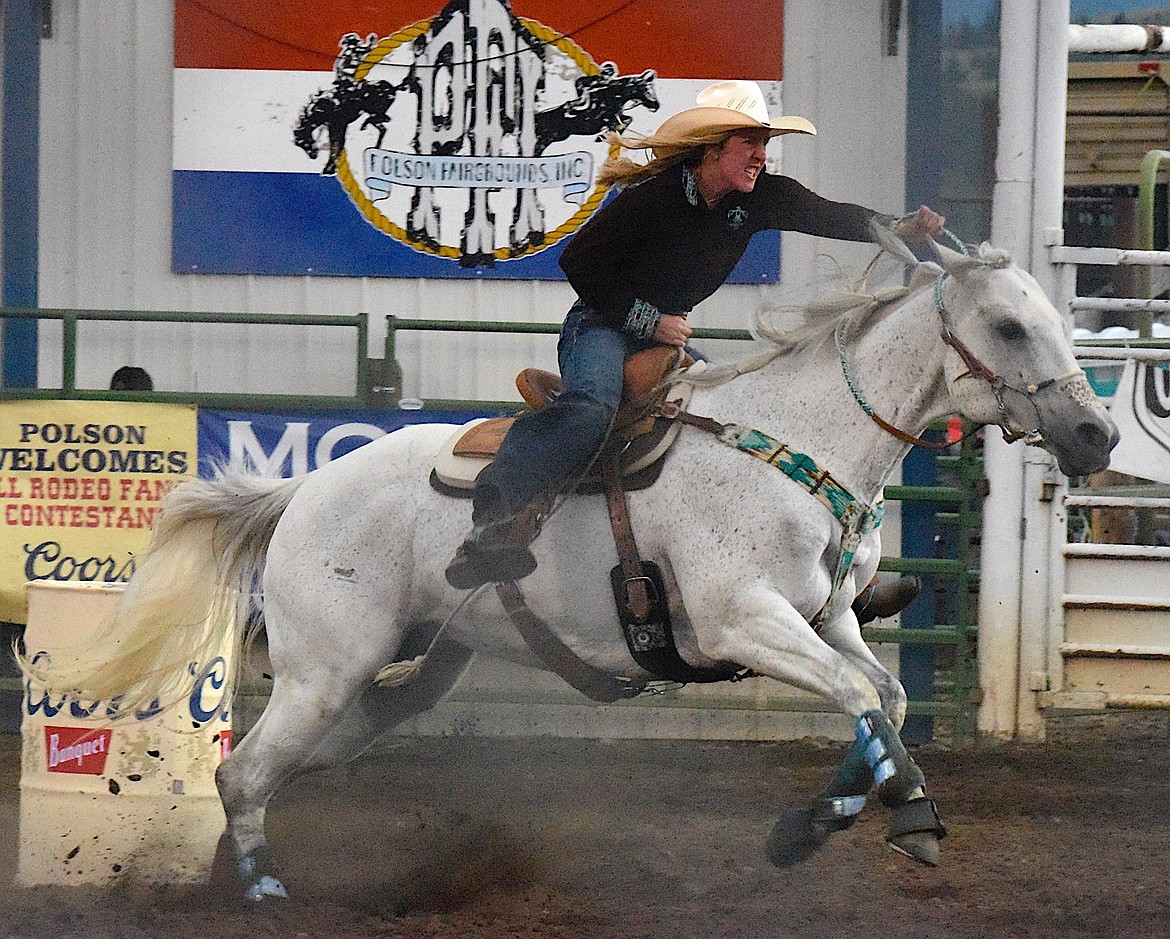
1101,590
1071,254
1135,502
1022,617
1120,37
1118,304
1114,650
1122,353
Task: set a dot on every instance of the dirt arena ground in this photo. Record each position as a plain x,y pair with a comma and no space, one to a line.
538,838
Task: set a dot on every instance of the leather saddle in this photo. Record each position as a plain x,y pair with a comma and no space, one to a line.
640,438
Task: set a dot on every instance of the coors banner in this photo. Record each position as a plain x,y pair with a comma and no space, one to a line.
80,485
1141,410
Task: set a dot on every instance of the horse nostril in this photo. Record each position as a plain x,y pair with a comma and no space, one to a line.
1097,435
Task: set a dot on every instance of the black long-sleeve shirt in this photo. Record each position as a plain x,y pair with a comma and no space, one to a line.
652,245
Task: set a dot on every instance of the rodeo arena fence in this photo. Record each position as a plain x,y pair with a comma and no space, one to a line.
935,645
1085,627
1074,621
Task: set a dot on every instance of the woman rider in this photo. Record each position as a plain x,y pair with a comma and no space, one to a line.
669,240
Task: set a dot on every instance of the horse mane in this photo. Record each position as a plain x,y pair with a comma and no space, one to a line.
858,299
820,319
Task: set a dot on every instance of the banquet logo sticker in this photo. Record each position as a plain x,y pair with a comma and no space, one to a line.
76,750
473,135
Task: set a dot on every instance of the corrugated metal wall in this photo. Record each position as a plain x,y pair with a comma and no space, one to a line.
2,47
105,219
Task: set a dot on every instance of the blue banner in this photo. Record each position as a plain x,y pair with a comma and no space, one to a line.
293,443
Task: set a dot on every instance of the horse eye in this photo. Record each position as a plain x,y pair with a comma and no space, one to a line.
1010,330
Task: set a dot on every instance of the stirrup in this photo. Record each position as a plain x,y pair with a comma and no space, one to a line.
476,565
496,551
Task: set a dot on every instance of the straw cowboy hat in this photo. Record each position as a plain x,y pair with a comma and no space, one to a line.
724,106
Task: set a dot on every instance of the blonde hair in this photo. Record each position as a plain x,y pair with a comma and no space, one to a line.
622,171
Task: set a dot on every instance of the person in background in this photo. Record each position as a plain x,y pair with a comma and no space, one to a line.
131,378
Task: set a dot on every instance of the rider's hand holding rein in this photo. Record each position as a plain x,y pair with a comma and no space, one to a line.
672,330
923,224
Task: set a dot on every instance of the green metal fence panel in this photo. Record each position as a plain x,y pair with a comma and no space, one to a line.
1152,162
957,680
961,500
69,390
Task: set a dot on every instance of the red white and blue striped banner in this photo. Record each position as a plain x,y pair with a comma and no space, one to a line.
416,139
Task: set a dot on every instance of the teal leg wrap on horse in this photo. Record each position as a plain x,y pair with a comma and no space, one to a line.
896,774
877,755
838,806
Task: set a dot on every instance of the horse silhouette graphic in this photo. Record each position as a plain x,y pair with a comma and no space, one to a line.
600,106
337,109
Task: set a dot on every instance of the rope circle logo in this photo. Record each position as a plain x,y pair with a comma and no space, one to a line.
473,135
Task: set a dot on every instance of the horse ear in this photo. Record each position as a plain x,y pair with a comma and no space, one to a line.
992,256
889,242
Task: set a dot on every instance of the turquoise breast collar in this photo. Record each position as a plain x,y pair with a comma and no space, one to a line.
856,518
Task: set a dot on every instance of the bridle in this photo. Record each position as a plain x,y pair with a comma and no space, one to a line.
975,369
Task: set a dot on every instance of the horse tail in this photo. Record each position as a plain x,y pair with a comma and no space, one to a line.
190,594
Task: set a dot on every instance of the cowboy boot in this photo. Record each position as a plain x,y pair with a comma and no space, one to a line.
496,549
885,599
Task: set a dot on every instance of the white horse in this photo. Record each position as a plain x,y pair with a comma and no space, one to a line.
353,554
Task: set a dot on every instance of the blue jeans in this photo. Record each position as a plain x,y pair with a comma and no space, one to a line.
544,450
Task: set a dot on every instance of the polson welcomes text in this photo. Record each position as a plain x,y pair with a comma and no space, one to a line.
93,460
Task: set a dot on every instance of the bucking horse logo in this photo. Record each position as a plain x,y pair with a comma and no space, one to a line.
468,100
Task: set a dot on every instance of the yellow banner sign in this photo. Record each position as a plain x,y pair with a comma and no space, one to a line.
80,485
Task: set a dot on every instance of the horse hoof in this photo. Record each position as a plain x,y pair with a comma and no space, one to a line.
915,830
795,837
921,846
266,886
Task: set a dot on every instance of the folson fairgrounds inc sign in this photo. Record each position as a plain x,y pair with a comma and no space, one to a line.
417,139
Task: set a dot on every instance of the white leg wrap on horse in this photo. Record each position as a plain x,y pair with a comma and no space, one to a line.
260,885
266,886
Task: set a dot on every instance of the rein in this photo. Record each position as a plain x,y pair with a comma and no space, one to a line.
840,335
